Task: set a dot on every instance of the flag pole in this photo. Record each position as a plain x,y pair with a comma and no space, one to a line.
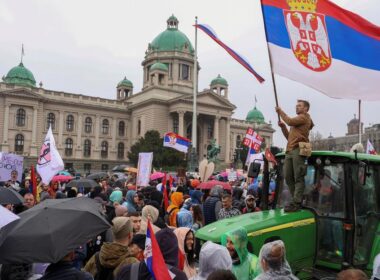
270,62
360,121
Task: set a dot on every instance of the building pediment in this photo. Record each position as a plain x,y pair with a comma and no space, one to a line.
22,93
206,98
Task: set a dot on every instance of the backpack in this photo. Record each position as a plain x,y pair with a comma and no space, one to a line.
102,273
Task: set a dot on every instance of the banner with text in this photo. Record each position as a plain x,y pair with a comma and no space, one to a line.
144,169
8,163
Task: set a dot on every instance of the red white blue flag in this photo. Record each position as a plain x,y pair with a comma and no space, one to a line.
324,46
153,257
252,140
176,142
239,58
370,149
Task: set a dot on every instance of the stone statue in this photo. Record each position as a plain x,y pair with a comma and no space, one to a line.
212,151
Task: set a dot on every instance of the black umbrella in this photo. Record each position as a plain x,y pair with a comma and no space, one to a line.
9,196
119,168
96,176
49,231
82,183
119,183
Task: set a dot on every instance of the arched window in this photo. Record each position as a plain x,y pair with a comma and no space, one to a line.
105,126
139,127
238,141
87,148
19,144
70,123
121,128
69,147
88,125
20,117
104,149
120,150
51,121
210,130
175,125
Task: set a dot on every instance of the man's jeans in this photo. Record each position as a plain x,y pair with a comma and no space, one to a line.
295,170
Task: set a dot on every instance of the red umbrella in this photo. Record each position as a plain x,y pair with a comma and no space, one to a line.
62,178
209,184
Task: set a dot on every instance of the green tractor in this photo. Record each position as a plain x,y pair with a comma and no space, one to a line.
339,225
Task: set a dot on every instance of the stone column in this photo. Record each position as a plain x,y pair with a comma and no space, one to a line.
60,129
97,132
79,136
114,131
6,126
181,121
34,126
227,156
216,129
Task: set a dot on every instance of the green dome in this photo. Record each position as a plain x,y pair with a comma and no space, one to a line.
255,116
219,81
125,82
171,39
159,66
21,76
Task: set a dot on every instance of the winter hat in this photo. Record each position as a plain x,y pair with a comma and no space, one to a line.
121,228
139,240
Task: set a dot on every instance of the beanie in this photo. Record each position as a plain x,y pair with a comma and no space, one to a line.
139,240
121,228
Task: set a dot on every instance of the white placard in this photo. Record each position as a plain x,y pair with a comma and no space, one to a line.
144,169
8,163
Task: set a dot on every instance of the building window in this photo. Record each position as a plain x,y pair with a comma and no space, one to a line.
185,72
175,125
104,167
70,123
88,125
210,130
51,121
138,127
121,128
104,149
105,126
69,147
19,144
20,117
87,148
120,150
238,141
87,168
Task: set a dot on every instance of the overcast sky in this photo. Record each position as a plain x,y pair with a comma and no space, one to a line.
88,46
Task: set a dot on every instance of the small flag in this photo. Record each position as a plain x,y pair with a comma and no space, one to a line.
33,179
370,149
269,156
252,139
49,161
249,156
176,142
153,257
208,30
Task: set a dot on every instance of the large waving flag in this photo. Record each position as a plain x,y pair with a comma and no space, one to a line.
176,142
252,139
208,30
153,257
49,161
324,46
370,149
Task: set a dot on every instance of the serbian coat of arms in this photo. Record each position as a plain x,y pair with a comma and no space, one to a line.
308,34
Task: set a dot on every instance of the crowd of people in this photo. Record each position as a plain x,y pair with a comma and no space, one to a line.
118,253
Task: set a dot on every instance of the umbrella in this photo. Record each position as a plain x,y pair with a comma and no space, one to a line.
9,196
99,175
131,169
120,183
7,221
82,183
157,175
62,178
50,230
64,172
209,184
226,174
120,168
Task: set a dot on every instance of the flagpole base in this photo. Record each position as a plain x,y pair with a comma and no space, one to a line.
192,164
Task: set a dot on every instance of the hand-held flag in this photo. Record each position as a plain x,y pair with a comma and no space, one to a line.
252,140
370,149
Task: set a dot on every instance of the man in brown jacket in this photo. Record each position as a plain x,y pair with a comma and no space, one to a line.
295,166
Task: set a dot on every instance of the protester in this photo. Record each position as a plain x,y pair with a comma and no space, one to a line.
198,220
212,258
168,244
212,205
116,196
273,262
121,211
113,255
294,166
184,216
44,194
186,243
18,271
138,199
250,205
53,188
149,213
227,210
352,274
196,197
29,200
244,264
173,209
137,246
222,274
13,182
136,221
238,199
130,203
26,187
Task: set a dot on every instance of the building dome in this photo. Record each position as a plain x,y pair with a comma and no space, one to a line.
125,82
159,66
219,81
255,116
171,39
354,120
21,76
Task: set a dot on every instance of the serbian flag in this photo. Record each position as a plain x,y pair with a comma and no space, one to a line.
176,142
250,154
210,32
324,46
153,257
165,192
252,140
370,149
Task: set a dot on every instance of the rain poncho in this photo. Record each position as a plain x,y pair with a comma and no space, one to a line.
247,268
212,257
181,234
116,196
376,268
176,199
277,267
184,218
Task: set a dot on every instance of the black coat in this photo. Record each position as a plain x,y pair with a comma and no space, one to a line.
65,271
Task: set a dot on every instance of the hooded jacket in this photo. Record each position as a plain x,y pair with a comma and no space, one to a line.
212,257
176,199
181,234
130,203
196,196
212,205
247,268
149,212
